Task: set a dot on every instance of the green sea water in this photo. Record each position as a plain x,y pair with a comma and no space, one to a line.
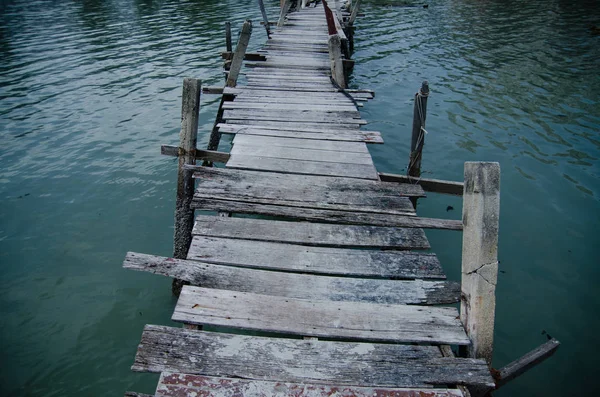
90,89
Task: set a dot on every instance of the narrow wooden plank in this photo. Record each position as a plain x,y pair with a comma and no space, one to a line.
348,147
278,106
303,167
347,136
293,153
324,215
296,125
327,117
525,363
294,285
179,384
314,234
429,185
168,349
315,260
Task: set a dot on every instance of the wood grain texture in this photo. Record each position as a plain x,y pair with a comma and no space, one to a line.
347,147
294,153
320,318
309,191
346,136
182,385
287,360
302,167
313,234
325,215
315,260
293,285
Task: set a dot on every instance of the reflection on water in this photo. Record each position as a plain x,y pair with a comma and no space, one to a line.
90,89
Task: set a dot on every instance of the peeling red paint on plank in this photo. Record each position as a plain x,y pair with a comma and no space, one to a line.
187,385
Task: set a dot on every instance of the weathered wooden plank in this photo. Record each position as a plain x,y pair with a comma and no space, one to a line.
324,215
209,155
296,125
306,191
326,117
316,260
278,106
314,234
349,147
180,385
245,99
168,349
291,92
348,136
302,167
135,394
320,318
294,285
429,185
293,153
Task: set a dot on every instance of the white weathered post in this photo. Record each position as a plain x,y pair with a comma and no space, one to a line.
481,209
335,57
238,55
184,214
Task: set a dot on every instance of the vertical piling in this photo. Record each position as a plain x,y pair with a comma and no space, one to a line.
418,131
481,210
188,136
228,36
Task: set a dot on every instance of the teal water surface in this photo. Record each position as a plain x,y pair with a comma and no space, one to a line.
89,90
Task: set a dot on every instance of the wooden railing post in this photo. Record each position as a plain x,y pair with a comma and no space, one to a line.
285,7
231,81
184,214
481,209
335,57
238,55
418,131
263,12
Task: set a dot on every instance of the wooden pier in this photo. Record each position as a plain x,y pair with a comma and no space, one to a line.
316,286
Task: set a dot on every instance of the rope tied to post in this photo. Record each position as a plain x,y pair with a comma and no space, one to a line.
419,117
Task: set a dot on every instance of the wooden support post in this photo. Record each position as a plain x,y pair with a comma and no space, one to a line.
240,52
184,215
228,36
264,17
481,209
234,71
418,131
335,57
354,13
285,7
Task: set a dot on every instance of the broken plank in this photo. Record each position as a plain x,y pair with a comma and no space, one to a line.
294,285
324,215
296,125
179,384
313,234
315,260
168,349
358,321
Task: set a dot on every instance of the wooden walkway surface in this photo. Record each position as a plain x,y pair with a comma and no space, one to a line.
328,292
